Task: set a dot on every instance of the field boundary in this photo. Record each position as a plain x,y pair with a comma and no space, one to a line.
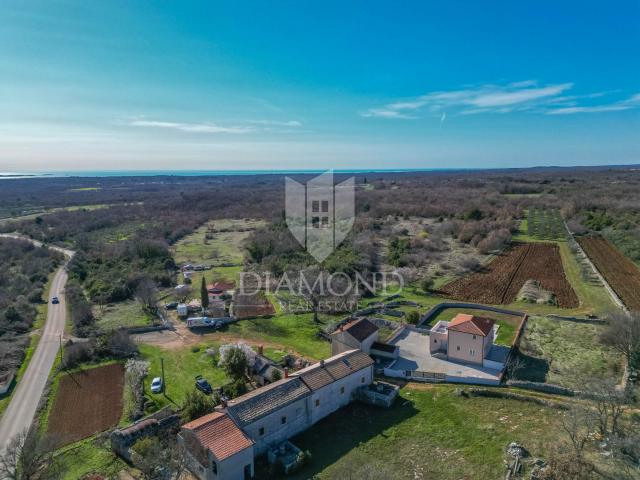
435,310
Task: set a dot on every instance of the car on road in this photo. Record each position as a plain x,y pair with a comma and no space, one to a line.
156,385
55,300
171,306
203,385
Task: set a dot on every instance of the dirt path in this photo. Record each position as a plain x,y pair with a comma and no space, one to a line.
181,337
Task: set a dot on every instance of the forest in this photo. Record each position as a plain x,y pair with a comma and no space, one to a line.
25,272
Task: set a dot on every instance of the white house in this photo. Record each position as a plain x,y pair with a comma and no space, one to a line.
466,339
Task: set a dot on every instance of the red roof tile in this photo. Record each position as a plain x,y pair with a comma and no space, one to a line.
471,324
219,434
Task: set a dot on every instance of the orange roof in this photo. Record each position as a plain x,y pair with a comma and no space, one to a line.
471,324
219,434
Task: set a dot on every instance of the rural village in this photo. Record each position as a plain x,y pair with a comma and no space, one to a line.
496,341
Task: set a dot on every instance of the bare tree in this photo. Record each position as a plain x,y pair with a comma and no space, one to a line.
29,456
622,333
609,403
147,294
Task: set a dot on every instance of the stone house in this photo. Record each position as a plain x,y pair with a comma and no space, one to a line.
466,338
357,334
216,449
268,416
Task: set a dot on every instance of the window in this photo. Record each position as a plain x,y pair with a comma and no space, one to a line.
341,389
214,467
261,431
283,420
315,206
317,402
474,337
325,206
472,352
325,222
362,380
315,222
458,348
435,340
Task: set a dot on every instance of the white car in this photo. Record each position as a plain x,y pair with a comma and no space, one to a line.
156,385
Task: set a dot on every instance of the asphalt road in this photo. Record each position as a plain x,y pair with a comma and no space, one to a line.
21,410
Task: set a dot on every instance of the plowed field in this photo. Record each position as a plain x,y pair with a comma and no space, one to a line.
501,280
620,273
87,402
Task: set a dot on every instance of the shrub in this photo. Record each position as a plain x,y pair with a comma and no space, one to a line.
196,405
413,317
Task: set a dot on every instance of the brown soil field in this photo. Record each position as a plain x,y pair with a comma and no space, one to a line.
501,280
87,402
620,273
250,306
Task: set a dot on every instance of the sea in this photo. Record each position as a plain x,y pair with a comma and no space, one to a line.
203,173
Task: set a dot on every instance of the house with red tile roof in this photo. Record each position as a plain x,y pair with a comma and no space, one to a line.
216,448
466,338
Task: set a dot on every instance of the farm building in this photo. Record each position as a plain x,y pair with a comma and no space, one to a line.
466,339
221,446
357,334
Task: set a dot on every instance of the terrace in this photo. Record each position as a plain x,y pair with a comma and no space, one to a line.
415,356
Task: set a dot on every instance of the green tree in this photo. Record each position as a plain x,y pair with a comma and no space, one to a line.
413,317
197,405
233,361
204,294
426,284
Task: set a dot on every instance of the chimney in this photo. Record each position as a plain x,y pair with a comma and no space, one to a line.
286,372
260,349
321,363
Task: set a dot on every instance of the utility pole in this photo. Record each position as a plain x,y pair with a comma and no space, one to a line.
164,385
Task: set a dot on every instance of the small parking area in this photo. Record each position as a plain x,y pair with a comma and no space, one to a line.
414,355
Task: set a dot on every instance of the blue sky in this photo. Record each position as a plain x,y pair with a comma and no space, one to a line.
300,85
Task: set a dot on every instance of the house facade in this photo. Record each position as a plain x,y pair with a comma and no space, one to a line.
357,334
218,446
216,449
466,338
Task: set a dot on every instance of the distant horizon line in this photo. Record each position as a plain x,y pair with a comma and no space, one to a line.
26,174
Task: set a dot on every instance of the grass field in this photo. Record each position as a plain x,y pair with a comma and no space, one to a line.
286,331
215,243
180,368
508,323
122,314
556,351
89,456
430,432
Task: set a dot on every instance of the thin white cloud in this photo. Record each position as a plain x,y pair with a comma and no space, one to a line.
385,113
523,96
277,123
626,104
192,127
248,126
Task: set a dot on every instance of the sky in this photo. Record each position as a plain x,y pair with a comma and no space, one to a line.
298,85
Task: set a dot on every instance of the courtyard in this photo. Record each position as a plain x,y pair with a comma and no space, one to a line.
415,355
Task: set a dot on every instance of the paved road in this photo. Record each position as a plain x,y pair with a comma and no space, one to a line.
24,402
